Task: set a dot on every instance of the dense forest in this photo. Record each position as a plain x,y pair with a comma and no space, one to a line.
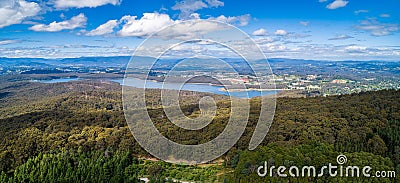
76,132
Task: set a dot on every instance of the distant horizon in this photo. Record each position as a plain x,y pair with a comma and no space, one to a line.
300,59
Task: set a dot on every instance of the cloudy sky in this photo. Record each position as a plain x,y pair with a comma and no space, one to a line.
311,29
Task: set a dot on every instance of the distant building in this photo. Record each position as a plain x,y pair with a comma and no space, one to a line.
313,87
311,77
338,81
240,81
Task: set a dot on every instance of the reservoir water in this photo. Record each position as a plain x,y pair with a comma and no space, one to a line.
59,80
139,83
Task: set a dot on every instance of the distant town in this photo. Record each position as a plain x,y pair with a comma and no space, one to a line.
312,78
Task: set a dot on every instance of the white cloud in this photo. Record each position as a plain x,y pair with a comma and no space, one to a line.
304,23
377,28
73,23
84,3
260,32
241,20
321,1
191,29
360,11
341,37
264,40
214,3
280,32
103,29
385,15
8,41
270,47
152,23
149,24
188,7
189,47
194,16
337,4
15,11
62,16
355,48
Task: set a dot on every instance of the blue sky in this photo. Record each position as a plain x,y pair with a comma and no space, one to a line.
312,29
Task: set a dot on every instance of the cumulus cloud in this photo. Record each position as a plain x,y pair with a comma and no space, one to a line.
188,7
149,24
337,4
260,32
241,20
184,30
103,29
83,3
75,22
280,32
264,40
377,28
15,11
341,37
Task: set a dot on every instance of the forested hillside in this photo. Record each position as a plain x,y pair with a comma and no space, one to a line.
76,131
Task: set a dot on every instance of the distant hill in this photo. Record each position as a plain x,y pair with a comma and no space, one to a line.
123,60
9,62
